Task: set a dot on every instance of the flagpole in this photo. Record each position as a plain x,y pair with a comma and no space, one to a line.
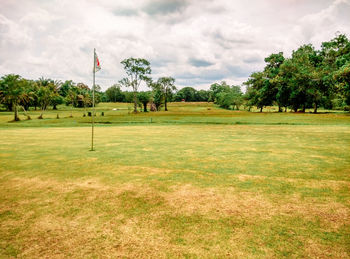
93,104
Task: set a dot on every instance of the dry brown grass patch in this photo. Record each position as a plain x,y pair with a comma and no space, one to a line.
252,205
189,199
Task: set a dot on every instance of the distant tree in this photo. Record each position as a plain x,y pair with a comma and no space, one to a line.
114,94
11,90
65,87
57,98
231,97
137,70
186,93
46,93
301,81
85,99
167,86
218,88
202,96
129,97
84,96
283,92
335,64
71,99
224,99
272,86
28,94
144,98
157,95
256,90
342,77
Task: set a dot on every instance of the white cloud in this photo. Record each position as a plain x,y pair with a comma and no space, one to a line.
197,42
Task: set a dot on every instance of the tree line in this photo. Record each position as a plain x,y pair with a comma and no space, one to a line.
310,78
18,93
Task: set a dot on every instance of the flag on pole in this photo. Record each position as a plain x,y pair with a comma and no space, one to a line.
97,64
97,67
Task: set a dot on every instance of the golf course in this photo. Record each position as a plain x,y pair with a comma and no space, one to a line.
194,181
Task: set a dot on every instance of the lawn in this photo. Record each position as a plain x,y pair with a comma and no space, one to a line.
197,181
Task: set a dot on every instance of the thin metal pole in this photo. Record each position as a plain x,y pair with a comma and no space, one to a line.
93,105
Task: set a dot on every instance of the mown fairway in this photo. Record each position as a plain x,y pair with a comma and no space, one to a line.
196,182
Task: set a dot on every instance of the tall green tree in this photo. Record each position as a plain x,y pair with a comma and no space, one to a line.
273,86
283,92
256,90
336,57
342,77
299,78
137,70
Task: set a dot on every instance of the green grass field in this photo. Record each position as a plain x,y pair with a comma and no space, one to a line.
197,181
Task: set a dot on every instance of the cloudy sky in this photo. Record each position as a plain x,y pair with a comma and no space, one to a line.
196,42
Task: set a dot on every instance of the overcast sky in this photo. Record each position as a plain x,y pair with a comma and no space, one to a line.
196,42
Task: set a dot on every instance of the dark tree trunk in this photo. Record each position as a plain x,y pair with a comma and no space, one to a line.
145,107
54,107
261,108
41,114
304,107
9,107
135,102
315,108
285,110
16,118
165,103
280,108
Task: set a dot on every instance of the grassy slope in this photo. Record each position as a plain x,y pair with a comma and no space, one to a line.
277,185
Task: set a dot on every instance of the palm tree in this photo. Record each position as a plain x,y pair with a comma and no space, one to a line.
58,99
27,96
10,91
46,93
